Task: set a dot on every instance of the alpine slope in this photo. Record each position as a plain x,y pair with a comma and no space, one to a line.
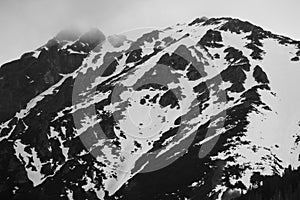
199,110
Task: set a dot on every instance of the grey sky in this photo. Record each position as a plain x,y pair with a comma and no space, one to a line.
27,24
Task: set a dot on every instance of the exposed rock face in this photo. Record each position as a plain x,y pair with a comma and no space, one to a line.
205,108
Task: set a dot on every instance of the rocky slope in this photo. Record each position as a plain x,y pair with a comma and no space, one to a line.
192,111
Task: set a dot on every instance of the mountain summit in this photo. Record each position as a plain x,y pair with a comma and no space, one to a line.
202,110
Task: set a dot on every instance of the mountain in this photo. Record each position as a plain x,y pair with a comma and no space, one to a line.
200,110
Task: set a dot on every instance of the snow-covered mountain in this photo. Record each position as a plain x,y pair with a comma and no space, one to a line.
193,111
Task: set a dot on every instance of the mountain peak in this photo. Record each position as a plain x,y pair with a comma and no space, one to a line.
198,20
93,37
69,34
217,92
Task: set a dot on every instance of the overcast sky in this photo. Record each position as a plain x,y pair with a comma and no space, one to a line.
27,24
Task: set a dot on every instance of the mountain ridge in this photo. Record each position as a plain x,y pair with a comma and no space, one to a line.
37,113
